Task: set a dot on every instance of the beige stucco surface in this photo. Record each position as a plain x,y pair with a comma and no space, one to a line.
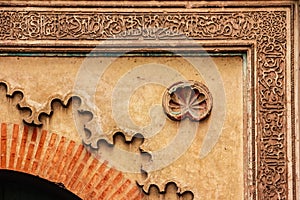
217,175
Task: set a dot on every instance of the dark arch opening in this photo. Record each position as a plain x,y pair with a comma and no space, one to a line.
21,186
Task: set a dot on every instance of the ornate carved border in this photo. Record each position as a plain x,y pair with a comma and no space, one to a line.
268,30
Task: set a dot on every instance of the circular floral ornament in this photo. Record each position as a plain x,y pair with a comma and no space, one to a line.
189,99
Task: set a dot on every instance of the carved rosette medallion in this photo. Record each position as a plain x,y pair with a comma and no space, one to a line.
190,99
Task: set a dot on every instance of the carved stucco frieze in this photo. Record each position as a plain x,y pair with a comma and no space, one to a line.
267,28
43,25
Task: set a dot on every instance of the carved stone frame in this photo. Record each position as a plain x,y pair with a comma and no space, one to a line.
265,30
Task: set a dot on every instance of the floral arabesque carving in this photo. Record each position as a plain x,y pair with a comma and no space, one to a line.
267,28
271,73
44,25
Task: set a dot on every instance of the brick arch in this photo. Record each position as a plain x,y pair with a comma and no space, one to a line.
61,160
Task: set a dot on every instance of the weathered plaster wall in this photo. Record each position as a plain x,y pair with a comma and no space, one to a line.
43,150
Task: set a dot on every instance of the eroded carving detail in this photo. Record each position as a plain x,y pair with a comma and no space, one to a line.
170,191
271,73
187,100
35,109
268,28
44,25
